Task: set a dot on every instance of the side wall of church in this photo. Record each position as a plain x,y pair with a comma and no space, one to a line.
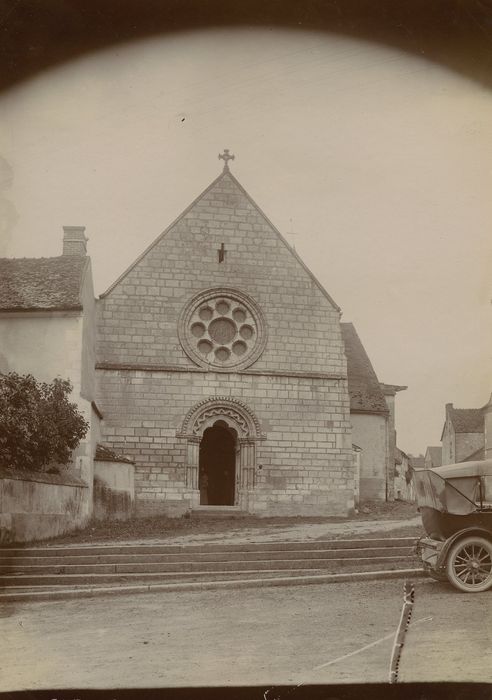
303,464
370,433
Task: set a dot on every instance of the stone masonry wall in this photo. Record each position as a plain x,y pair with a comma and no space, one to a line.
138,318
35,506
297,386
302,467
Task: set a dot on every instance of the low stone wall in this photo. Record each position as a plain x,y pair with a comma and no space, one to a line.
114,490
38,506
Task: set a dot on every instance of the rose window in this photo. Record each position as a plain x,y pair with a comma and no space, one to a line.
223,328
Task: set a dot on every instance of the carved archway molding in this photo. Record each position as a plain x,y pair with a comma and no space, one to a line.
238,416
233,411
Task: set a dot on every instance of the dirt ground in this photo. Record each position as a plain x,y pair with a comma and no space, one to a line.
334,633
399,518
162,527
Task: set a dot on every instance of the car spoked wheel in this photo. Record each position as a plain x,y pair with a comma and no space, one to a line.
469,564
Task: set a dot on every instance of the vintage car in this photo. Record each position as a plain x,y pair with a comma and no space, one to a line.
455,502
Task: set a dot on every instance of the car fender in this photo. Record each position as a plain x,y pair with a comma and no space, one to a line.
466,532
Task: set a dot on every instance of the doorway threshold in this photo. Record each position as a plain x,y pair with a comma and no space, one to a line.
218,511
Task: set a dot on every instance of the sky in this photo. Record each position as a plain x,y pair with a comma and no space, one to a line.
375,164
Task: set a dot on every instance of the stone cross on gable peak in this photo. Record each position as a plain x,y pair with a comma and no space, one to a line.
226,156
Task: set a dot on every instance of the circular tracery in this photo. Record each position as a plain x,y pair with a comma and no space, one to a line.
223,328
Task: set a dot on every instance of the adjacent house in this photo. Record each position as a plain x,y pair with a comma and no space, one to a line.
47,328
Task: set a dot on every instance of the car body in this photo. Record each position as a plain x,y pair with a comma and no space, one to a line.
455,502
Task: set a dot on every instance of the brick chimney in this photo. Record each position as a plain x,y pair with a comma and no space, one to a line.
74,240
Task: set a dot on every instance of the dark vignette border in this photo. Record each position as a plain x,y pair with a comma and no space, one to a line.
38,34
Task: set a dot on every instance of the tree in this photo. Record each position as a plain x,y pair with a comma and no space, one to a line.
38,424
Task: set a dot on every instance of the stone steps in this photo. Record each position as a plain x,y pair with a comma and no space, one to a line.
118,565
153,548
186,566
22,562
80,581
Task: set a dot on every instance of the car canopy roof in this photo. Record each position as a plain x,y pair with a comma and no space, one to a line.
463,470
452,488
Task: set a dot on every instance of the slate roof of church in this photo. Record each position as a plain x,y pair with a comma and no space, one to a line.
41,283
366,395
466,420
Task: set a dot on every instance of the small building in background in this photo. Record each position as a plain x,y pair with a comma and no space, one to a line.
416,462
433,457
404,487
463,433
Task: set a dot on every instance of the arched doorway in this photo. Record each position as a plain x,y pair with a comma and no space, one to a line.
217,465
221,432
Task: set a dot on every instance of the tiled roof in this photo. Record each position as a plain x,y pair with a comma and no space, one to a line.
41,283
106,454
466,420
365,392
400,455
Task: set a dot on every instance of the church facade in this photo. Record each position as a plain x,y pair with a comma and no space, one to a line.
216,363
220,369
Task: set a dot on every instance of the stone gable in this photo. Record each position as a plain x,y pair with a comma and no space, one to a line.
139,315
